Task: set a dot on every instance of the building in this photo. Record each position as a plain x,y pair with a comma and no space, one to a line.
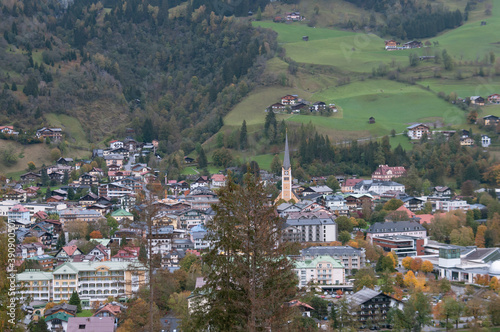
494,98
91,324
371,307
467,141
19,214
321,270
452,205
391,45
312,229
377,187
350,257
35,285
395,228
57,317
477,100
52,133
286,193
401,245
348,185
218,180
417,131
485,141
386,173
491,120
321,190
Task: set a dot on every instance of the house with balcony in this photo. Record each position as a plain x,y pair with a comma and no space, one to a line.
351,258
321,270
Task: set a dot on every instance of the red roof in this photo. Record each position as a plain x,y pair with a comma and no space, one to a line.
351,182
70,250
19,208
425,218
405,209
392,171
128,252
219,177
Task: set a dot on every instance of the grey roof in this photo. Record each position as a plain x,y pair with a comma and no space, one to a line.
484,254
331,251
286,159
395,226
363,295
64,306
312,221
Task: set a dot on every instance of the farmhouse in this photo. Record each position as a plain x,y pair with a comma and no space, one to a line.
293,16
52,133
412,44
289,100
318,106
418,130
491,120
485,141
466,141
391,45
8,130
277,107
494,98
477,100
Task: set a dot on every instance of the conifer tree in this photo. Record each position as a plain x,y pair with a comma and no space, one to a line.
75,300
243,136
202,158
248,277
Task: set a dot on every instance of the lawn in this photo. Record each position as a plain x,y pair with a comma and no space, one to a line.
38,153
84,313
475,86
393,105
72,128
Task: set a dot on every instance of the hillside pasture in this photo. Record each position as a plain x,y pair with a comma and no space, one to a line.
37,153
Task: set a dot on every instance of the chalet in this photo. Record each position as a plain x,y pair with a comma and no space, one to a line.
8,130
32,191
370,308
57,317
391,45
113,168
118,175
289,100
126,254
88,179
131,144
114,159
121,215
28,250
485,141
413,204
418,130
16,195
54,199
348,185
64,161
202,181
218,180
68,252
477,100
96,172
277,107
88,199
56,176
101,253
358,201
29,177
412,44
52,133
120,151
293,16
494,98
440,191
467,141
114,190
491,120
115,144
299,107
371,120
188,160
318,106
386,173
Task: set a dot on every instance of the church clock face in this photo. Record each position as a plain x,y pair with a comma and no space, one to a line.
286,172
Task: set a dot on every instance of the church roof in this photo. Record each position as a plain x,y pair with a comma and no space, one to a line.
286,159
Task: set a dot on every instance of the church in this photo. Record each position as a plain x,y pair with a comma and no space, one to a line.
286,194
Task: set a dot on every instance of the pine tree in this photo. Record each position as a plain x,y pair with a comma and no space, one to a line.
248,277
243,136
48,193
75,300
202,158
71,193
14,86
61,240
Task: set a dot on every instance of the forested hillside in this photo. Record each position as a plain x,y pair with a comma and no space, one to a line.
118,64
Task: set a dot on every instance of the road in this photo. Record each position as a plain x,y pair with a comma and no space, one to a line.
169,323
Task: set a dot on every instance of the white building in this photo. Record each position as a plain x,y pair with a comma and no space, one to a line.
378,187
310,230
322,270
393,228
452,205
485,141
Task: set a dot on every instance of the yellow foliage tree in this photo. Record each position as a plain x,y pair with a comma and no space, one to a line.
407,262
494,284
392,255
410,279
427,267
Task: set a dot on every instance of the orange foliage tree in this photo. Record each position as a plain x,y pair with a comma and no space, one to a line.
494,284
95,235
482,280
394,258
481,230
416,264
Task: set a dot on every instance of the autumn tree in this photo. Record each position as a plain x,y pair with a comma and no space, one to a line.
365,277
136,317
415,314
95,235
393,204
463,236
475,309
416,264
427,266
450,309
479,241
406,262
248,277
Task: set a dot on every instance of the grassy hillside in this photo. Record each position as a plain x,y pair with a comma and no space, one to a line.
37,153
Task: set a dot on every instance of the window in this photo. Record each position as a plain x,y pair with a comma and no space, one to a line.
81,327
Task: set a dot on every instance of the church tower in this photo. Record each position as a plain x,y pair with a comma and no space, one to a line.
286,177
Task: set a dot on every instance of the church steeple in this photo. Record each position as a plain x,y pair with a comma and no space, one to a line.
286,159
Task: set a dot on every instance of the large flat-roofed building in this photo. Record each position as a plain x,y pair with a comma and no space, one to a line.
310,230
401,245
395,228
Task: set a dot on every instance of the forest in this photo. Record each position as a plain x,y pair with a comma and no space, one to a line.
411,19
125,58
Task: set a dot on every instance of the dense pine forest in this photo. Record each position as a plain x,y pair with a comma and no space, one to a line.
412,19
131,62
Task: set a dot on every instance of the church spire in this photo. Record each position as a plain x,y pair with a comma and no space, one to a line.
286,159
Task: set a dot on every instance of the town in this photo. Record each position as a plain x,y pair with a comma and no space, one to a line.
89,238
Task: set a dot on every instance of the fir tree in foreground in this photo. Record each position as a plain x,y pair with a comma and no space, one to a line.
248,276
